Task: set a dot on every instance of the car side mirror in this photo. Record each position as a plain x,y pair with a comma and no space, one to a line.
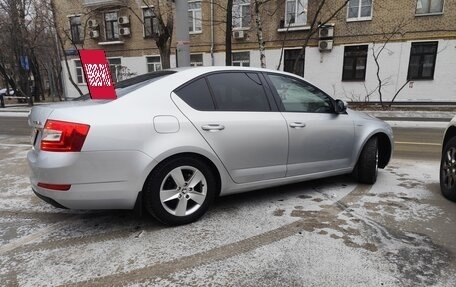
340,107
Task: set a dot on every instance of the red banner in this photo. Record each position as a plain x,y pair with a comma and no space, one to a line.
97,74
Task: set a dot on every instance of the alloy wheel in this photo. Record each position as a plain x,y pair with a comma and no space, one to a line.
183,190
449,168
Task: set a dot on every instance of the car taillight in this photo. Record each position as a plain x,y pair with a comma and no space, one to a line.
63,136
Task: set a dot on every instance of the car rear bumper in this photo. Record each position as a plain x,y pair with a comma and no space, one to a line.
99,180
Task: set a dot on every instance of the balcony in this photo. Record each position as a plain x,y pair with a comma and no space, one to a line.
101,3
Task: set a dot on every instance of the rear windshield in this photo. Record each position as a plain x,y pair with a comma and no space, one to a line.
129,85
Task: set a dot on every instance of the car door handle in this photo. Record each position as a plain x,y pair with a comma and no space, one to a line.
297,125
213,127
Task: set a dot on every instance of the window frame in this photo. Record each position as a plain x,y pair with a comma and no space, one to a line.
78,67
296,13
154,64
116,68
278,100
80,39
240,61
238,6
196,63
151,20
352,77
114,25
178,90
429,13
286,60
264,87
194,19
359,17
422,55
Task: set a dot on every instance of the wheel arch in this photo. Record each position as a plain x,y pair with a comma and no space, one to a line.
195,155
449,134
385,149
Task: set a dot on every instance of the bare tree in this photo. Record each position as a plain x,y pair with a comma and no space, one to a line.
318,20
29,35
378,51
164,13
228,33
259,30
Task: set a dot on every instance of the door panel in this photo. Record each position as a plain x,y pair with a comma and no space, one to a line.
252,145
319,139
324,144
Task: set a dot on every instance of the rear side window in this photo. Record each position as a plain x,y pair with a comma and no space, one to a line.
238,92
197,95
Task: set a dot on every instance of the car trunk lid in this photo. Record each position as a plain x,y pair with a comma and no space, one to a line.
41,113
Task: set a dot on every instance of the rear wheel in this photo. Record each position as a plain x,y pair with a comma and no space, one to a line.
179,191
448,170
366,169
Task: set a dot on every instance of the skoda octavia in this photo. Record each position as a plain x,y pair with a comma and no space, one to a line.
174,140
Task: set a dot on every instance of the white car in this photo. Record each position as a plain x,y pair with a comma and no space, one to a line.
176,139
448,162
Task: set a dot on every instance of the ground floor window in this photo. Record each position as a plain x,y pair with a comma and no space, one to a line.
289,58
241,59
355,60
196,60
422,61
153,64
115,64
79,73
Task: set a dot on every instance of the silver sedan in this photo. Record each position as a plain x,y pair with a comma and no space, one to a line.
174,140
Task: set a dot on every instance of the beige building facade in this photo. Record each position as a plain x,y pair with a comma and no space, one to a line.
409,44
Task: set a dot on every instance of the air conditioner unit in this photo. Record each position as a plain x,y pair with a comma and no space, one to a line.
326,32
123,20
325,45
124,31
92,23
94,34
238,35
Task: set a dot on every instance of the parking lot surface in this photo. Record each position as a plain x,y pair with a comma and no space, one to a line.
332,232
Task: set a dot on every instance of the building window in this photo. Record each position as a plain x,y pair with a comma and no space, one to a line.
153,64
295,12
194,16
115,66
241,59
150,23
241,14
79,72
289,58
429,7
111,26
76,29
196,60
359,10
422,61
355,60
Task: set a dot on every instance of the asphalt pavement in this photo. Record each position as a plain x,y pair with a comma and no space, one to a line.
329,232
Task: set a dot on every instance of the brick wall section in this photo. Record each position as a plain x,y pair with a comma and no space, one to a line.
386,15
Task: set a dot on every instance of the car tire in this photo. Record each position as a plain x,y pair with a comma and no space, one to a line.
179,191
366,169
448,170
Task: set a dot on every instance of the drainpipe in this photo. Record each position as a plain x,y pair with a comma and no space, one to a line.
212,33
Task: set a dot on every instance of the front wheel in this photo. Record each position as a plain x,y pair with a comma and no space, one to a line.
448,170
366,169
179,191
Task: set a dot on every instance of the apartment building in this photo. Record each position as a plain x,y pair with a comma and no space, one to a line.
403,49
